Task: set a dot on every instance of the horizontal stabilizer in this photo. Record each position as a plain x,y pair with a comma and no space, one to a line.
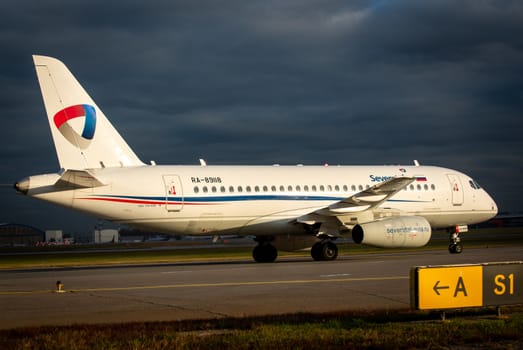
78,179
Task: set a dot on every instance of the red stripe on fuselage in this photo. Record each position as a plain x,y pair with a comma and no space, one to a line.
137,201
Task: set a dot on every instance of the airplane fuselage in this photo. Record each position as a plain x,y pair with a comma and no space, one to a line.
258,200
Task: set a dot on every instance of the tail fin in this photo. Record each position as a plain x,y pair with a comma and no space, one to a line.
83,137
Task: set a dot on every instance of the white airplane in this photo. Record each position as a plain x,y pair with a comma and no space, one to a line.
284,207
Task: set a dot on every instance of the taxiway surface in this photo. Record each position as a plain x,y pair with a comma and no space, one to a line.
222,289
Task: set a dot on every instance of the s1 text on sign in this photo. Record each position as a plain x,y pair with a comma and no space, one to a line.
502,284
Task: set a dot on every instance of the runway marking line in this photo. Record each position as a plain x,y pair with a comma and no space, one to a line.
207,285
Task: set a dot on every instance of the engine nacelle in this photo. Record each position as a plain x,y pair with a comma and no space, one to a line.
393,232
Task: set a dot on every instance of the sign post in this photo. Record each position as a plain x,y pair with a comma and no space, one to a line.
461,286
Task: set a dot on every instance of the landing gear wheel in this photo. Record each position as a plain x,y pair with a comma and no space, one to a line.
324,251
316,251
264,253
329,251
455,248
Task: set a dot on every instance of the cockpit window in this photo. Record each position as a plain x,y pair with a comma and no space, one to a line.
474,184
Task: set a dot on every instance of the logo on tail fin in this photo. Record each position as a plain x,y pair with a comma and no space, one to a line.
66,120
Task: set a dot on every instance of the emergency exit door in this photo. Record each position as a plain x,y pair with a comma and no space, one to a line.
173,193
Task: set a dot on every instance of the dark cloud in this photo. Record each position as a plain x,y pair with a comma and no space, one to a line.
235,82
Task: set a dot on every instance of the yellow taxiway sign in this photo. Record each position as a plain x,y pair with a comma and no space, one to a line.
461,286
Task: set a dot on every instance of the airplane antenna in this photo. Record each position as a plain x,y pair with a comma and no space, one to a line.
203,162
416,163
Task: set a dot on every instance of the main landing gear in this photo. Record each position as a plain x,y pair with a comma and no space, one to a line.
324,251
264,252
455,246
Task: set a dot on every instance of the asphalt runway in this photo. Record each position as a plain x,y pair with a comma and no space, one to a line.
215,290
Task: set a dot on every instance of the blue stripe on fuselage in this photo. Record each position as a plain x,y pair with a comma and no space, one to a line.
236,198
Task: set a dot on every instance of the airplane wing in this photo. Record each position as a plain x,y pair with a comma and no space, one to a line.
358,202
368,198
361,201
78,179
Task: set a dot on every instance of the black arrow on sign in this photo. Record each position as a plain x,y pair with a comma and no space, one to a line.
437,287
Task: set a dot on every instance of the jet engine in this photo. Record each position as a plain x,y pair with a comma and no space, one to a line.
393,232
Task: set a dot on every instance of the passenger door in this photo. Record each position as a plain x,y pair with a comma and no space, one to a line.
173,193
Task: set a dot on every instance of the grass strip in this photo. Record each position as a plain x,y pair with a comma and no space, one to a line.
341,330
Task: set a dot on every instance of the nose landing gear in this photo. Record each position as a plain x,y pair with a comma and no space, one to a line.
455,246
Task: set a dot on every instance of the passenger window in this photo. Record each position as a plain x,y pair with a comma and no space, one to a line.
282,189
313,188
433,187
360,187
273,188
353,188
306,188
231,189
256,189
426,187
205,190
289,188
322,188
196,189
213,189
329,188
248,189
240,189
265,189
419,187
222,189
298,188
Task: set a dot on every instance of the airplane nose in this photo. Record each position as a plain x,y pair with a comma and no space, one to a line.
493,206
22,186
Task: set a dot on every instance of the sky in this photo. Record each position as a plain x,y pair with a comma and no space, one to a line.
264,82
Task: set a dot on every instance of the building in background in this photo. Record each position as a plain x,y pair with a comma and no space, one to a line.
12,234
54,236
106,236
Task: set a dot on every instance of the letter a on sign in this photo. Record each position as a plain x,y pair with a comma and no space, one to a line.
460,287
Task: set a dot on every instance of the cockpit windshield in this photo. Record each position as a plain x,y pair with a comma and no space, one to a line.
474,184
